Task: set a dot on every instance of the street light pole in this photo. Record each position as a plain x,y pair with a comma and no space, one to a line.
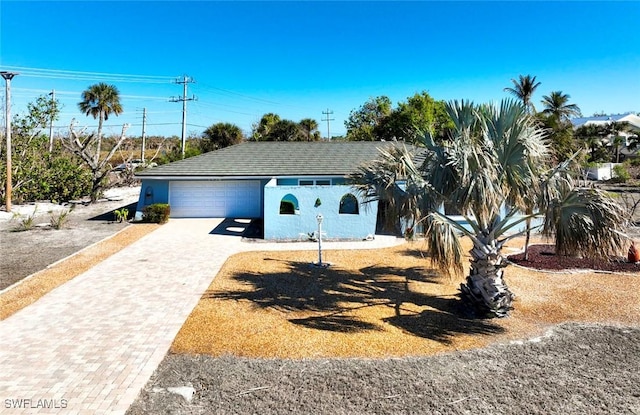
8,76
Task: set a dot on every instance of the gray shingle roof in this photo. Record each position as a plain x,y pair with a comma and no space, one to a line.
273,159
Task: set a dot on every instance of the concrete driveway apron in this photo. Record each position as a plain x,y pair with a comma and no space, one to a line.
90,345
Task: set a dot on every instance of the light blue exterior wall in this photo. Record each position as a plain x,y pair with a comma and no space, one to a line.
292,227
152,191
334,225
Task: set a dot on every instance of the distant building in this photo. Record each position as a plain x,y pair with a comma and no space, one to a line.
630,137
632,119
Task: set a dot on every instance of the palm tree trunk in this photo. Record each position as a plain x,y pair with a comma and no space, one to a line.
99,145
527,236
485,286
526,240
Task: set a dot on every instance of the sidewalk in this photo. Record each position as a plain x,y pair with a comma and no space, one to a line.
90,346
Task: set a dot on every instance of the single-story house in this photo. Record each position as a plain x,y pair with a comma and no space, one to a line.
286,184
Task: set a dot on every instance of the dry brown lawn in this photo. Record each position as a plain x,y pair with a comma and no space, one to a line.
382,303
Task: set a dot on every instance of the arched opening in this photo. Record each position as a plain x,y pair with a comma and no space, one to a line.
349,205
289,205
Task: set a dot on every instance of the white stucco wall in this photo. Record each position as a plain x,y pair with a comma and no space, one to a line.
603,171
334,225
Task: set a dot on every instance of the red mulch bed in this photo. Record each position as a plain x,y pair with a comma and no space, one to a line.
543,257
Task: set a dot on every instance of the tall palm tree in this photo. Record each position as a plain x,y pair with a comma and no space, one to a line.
100,100
491,170
523,89
557,105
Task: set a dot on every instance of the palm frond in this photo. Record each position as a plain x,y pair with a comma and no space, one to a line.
443,244
585,222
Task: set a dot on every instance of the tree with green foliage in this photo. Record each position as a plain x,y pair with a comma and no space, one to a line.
262,130
419,115
100,100
273,128
617,132
594,137
286,130
409,121
561,137
310,129
39,174
557,105
556,118
492,169
523,89
363,122
220,135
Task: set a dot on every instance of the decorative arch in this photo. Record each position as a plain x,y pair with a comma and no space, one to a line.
289,205
349,205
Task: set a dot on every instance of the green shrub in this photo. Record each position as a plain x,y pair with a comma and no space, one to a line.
121,215
621,174
25,223
156,213
57,221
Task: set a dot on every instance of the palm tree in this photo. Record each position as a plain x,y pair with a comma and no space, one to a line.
220,135
310,128
491,170
557,105
585,222
523,89
100,100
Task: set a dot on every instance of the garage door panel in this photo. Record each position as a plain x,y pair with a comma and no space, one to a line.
234,198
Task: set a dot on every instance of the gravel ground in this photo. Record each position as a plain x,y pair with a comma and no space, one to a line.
26,252
573,369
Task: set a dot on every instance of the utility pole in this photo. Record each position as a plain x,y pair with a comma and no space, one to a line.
8,76
53,103
144,134
328,120
184,81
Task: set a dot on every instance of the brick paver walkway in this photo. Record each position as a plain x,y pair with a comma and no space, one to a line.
90,346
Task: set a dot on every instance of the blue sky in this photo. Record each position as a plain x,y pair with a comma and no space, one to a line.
298,59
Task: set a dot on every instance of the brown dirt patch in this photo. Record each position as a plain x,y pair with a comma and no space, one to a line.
543,257
381,303
39,284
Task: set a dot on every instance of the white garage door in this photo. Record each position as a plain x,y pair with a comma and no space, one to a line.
219,199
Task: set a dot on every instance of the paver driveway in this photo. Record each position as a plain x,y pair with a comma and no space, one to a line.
90,345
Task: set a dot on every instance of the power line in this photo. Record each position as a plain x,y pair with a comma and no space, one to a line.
249,97
84,75
78,93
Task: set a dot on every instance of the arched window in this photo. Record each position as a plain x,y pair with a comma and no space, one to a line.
289,205
349,205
